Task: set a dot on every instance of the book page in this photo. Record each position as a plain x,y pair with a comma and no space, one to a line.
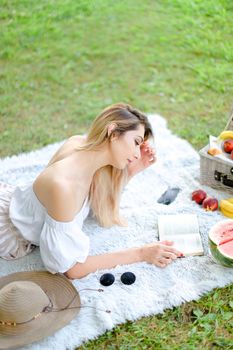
188,245
183,230
178,224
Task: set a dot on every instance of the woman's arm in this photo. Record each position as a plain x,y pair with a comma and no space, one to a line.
158,253
105,261
61,205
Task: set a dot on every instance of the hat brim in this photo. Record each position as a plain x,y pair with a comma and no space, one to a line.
60,290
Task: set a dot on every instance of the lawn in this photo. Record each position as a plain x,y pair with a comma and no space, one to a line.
62,61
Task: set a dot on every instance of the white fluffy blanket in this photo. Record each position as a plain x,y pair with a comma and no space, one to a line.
155,289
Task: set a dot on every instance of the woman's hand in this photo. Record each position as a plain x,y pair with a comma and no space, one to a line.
147,159
160,253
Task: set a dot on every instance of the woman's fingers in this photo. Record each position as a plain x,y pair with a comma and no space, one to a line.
169,255
159,264
172,250
147,149
148,153
169,249
167,242
160,253
163,262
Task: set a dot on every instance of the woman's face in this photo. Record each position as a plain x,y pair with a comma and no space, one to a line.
126,148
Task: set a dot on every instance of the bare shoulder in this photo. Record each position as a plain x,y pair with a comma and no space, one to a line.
60,196
61,205
57,197
67,148
77,138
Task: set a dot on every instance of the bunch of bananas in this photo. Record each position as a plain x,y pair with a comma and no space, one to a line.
226,207
226,134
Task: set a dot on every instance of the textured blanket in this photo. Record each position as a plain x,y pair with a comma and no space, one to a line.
155,289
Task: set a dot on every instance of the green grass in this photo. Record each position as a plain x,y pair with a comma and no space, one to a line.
194,325
62,61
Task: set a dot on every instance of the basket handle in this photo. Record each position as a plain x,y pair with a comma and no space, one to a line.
229,125
223,178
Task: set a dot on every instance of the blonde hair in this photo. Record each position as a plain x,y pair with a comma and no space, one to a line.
108,181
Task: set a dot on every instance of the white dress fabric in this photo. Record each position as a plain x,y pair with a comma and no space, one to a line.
25,223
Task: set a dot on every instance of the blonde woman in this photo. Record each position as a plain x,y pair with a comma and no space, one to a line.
86,172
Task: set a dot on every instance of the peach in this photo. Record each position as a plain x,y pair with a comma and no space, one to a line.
198,196
228,146
210,204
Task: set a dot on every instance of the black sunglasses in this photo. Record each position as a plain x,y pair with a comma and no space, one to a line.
108,279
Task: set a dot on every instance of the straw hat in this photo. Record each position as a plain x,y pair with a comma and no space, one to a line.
34,305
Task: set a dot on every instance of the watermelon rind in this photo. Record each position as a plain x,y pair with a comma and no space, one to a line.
214,246
226,250
218,256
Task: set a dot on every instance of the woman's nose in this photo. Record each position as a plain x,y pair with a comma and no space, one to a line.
137,155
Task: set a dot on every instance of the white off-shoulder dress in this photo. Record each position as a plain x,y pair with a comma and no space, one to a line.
25,223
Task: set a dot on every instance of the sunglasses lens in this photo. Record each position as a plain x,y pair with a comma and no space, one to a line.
107,279
128,278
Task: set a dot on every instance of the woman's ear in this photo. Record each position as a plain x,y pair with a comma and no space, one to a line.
111,129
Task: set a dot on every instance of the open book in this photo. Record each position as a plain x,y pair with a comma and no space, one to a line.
183,230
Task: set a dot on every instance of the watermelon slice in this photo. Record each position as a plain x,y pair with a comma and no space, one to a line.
221,242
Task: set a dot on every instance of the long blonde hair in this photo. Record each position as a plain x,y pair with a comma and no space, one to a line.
108,181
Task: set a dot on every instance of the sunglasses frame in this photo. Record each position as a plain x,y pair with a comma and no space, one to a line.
127,278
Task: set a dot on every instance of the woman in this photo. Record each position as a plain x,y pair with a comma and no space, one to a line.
84,172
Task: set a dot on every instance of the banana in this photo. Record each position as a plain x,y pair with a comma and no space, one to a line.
227,213
226,207
226,134
230,200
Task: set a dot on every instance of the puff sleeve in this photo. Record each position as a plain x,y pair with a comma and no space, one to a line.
62,245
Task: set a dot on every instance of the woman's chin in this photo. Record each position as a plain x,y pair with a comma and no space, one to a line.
121,166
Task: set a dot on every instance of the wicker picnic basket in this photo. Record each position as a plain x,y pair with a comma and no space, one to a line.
216,172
